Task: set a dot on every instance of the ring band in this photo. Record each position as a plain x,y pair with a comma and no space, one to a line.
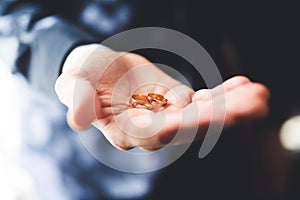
139,101
157,99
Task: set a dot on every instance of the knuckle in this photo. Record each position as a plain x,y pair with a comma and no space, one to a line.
241,80
262,90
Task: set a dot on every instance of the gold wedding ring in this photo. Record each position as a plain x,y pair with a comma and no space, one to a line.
152,101
157,99
140,101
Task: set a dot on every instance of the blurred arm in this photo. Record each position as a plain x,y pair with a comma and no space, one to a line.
36,39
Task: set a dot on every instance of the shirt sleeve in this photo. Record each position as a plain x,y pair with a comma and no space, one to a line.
41,40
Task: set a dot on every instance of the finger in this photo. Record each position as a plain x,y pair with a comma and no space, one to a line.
64,88
202,95
77,57
262,90
84,106
207,94
79,96
245,103
234,82
72,123
180,96
114,134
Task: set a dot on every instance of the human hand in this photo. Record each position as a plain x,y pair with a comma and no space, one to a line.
96,86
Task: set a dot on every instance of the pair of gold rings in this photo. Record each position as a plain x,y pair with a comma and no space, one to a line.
152,101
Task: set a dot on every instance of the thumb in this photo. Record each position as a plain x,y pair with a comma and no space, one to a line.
79,96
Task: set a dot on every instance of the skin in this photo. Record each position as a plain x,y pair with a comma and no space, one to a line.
96,86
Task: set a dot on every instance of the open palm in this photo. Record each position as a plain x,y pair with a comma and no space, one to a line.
96,85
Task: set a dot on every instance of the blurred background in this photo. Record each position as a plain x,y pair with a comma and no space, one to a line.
41,158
